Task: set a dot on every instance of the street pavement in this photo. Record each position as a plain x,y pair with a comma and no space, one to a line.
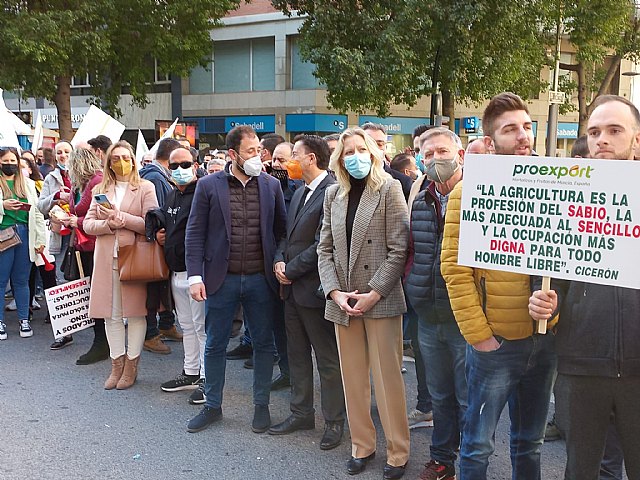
57,421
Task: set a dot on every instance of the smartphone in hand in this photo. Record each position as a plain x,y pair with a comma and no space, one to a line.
25,206
101,199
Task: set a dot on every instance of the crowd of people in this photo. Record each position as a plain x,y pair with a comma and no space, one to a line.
328,247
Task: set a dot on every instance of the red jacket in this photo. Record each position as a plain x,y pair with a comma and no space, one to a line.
80,210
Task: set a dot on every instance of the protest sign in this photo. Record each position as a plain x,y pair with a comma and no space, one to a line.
570,218
96,122
68,306
38,134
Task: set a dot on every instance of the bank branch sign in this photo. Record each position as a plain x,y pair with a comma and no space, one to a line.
575,219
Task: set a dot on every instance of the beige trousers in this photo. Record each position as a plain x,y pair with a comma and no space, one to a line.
374,345
115,329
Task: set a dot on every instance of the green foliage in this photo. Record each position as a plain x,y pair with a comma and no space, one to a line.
374,54
114,41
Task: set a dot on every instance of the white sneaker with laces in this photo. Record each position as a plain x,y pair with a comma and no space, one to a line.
25,329
418,419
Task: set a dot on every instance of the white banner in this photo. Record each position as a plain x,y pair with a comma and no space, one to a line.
570,218
38,134
141,149
96,122
68,306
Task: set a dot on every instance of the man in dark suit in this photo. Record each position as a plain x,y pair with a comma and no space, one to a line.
296,268
236,221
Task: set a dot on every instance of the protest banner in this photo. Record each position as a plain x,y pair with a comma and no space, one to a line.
96,122
141,149
68,306
568,218
38,134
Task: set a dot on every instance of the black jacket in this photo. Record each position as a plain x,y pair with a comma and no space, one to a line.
599,329
425,288
299,249
404,180
176,209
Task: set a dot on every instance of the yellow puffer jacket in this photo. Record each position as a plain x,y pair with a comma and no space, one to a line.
484,302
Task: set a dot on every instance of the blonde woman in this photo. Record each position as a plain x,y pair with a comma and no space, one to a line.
115,225
18,213
85,170
361,256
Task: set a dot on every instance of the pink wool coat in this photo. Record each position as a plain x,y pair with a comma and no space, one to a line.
136,203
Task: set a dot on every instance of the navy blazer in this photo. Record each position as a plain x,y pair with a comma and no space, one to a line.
209,228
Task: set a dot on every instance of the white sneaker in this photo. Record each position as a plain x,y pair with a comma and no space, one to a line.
3,331
418,419
11,306
25,329
35,305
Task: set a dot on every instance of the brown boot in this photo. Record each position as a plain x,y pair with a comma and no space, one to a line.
156,345
117,366
129,374
171,334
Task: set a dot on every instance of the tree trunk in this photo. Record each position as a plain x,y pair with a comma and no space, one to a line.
448,108
62,99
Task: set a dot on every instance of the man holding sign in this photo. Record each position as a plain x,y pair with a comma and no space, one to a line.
599,332
507,362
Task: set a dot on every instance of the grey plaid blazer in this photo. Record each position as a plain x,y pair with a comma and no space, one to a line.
379,244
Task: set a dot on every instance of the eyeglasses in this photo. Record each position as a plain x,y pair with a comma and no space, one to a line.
174,166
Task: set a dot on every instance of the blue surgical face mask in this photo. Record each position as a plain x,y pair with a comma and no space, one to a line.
420,163
182,176
358,165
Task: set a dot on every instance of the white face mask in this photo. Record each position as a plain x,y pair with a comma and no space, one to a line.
252,166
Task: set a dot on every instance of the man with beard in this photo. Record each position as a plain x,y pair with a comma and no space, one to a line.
237,219
598,332
507,362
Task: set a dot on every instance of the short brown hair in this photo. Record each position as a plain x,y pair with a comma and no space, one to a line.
602,99
236,134
503,102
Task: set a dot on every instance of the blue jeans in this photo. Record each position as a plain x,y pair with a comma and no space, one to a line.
410,330
520,373
15,264
444,349
257,299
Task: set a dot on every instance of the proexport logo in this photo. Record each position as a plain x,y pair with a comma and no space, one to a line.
557,171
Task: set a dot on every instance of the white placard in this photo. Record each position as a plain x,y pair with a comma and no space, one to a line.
167,134
141,149
570,218
96,122
38,134
68,306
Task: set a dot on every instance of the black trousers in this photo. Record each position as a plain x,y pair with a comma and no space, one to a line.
307,329
586,404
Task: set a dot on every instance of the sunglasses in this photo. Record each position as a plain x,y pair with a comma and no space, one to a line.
174,166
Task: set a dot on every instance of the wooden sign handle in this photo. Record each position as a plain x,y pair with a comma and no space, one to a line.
546,286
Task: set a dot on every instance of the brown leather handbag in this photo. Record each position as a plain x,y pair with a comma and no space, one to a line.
9,238
142,262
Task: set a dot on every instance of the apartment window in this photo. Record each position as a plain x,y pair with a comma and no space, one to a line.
201,78
80,81
244,65
160,77
301,72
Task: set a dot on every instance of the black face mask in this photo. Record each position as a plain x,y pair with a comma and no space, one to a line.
9,169
283,176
